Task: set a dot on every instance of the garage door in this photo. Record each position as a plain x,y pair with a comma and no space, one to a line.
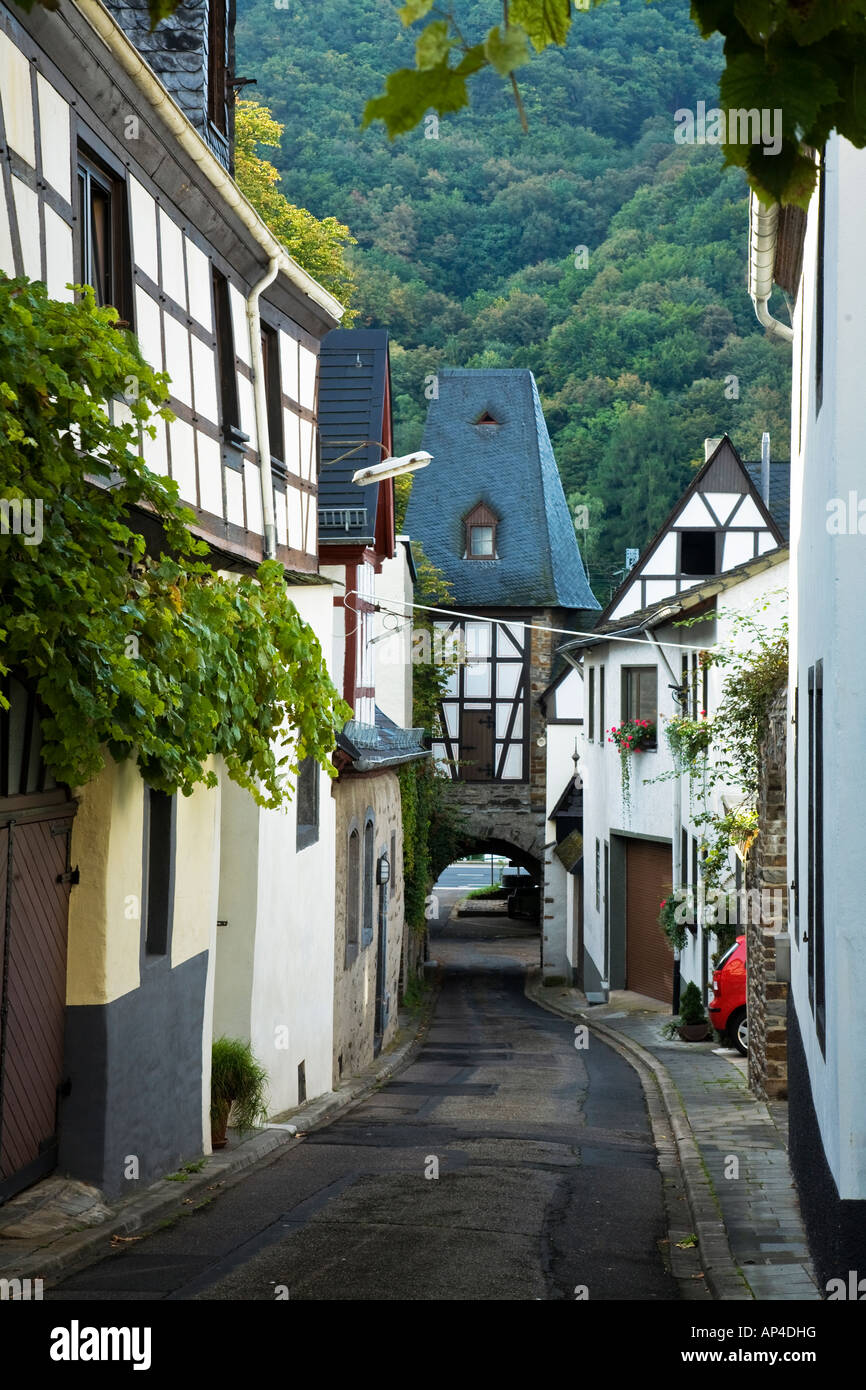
649,958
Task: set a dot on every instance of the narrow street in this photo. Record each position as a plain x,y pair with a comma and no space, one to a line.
547,1176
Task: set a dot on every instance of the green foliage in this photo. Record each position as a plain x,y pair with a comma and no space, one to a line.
238,1085
155,657
319,246
803,59
466,242
492,890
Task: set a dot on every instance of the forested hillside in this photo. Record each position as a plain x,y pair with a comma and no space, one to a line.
467,241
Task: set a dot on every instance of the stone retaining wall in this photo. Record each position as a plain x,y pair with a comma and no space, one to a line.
767,872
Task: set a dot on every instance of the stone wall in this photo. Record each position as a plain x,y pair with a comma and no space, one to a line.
355,981
767,873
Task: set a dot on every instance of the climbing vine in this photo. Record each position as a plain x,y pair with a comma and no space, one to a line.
140,649
726,750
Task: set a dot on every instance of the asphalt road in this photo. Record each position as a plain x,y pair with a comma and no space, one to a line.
547,1179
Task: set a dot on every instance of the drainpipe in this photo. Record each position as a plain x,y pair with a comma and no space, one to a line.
261,406
763,227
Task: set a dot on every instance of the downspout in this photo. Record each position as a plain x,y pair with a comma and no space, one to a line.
263,434
763,228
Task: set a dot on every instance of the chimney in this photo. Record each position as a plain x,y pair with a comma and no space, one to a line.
765,468
711,445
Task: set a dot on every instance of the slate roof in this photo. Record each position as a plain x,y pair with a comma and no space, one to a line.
177,52
779,504
353,381
510,467
379,745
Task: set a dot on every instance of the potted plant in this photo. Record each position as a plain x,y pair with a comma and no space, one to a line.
694,1026
632,736
674,912
238,1085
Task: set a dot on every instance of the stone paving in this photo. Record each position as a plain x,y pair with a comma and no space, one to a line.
742,1142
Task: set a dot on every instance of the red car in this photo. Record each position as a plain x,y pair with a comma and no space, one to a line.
727,1008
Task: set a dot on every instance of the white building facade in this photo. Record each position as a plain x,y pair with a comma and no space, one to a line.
820,264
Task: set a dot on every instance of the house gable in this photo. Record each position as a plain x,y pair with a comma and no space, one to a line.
720,522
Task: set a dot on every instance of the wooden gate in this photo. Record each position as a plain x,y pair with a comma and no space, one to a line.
35,877
649,958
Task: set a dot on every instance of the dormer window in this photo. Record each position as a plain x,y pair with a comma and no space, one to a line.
485,418
481,524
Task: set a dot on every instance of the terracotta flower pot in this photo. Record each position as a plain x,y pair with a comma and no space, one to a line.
694,1032
218,1127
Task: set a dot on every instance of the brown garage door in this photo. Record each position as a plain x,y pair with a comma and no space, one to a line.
649,958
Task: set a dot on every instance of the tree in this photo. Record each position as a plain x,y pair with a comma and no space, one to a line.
319,245
800,61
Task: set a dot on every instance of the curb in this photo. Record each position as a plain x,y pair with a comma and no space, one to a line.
166,1199
723,1278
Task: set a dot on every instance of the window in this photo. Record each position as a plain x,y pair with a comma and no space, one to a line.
369,880
273,390
814,934
481,524
307,795
104,255
226,369
217,62
639,693
481,540
597,876
157,905
601,704
698,552
591,720
353,895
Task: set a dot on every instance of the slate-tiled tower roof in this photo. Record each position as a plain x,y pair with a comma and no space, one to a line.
507,466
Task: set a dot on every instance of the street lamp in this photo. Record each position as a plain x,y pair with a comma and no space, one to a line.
388,468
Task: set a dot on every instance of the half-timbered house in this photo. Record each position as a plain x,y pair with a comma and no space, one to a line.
721,553
183,913
491,514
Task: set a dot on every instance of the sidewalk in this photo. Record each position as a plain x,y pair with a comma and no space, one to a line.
60,1225
732,1148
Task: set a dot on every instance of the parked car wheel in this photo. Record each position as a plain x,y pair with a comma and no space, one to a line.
738,1031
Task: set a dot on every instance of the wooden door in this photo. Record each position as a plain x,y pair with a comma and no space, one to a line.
649,958
476,745
34,901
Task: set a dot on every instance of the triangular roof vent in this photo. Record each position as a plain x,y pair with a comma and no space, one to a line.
485,418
